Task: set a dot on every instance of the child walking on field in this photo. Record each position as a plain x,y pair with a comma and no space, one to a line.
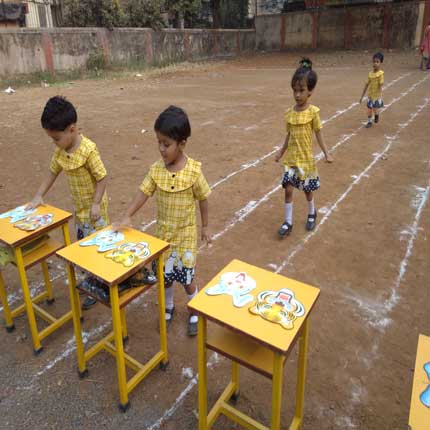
302,120
425,50
79,157
178,182
374,85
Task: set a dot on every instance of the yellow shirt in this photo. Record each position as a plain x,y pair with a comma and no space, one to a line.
176,210
83,169
301,126
375,82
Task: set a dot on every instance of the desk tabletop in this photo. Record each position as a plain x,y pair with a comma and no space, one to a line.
419,415
220,308
105,269
14,237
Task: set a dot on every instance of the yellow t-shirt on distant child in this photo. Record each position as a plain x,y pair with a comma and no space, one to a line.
375,82
177,193
301,125
83,169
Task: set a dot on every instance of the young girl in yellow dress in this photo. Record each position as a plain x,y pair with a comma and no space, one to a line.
178,182
302,120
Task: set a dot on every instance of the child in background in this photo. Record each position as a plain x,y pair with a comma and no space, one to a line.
178,182
302,120
425,50
79,157
374,83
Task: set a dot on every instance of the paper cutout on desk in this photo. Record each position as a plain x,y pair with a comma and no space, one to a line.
425,395
33,222
280,307
105,240
17,214
127,253
235,284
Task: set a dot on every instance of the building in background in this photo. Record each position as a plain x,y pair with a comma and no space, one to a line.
29,13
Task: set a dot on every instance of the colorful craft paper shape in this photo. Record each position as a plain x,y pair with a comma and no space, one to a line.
127,253
425,395
235,284
33,222
105,240
17,214
279,307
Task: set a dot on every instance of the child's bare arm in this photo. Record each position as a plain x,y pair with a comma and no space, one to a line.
204,213
283,149
320,141
138,201
364,91
98,195
43,189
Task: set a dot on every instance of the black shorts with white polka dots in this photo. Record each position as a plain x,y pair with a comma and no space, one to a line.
184,275
308,185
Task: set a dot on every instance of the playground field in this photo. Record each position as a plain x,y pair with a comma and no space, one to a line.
369,253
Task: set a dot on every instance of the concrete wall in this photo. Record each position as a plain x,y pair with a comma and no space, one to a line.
63,49
389,25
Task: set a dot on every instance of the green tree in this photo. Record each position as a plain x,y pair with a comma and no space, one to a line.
144,13
92,13
185,11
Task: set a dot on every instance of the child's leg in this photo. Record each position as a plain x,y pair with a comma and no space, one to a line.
192,291
369,116
312,214
287,226
376,112
169,303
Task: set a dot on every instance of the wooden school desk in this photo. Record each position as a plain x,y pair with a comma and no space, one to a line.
419,415
112,274
253,342
17,240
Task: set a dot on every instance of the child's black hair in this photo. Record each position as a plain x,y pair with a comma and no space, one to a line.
173,122
379,56
305,73
58,114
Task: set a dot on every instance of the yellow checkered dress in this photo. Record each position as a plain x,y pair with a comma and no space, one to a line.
176,210
301,126
375,82
83,169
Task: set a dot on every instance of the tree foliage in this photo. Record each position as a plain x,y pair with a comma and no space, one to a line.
144,13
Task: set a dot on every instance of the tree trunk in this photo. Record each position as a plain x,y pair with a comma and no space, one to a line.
216,12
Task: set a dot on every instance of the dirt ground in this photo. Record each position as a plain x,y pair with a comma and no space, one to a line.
369,254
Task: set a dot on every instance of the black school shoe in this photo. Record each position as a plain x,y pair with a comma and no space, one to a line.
285,229
311,222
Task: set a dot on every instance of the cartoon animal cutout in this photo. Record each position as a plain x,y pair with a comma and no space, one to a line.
33,222
127,253
425,395
235,284
280,307
17,214
105,240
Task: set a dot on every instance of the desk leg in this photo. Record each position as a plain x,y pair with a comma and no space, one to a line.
278,370
76,313
27,300
120,359
124,325
6,310
301,374
48,285
203,377
161,310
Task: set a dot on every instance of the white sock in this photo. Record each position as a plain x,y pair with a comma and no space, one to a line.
311,206
190,296
289,213
168,295
194,318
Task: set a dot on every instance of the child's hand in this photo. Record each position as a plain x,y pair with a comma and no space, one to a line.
278,156
95,211
123,222
328,158
205,236
37,201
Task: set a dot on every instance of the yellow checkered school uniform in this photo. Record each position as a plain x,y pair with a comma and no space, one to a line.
83,169
301,126
375,82
177,193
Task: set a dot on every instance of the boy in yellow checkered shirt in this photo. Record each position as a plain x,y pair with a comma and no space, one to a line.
302,120
178,182
373,86
79,157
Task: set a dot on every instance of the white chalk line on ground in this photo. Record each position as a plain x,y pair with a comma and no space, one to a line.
244,212
240,215
257,161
